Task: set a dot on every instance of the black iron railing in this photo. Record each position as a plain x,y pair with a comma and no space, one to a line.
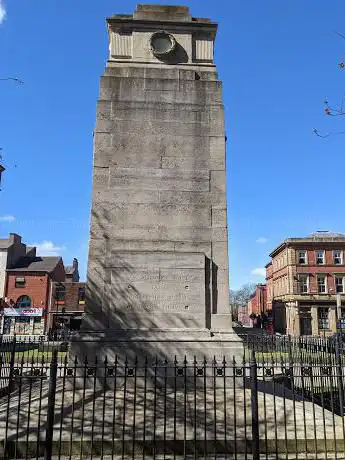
54,405
300,347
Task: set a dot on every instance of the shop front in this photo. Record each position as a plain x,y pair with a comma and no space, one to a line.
22,321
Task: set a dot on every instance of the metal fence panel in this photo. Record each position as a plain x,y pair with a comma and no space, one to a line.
275,403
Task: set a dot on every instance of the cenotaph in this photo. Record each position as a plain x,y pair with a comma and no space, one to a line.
158,258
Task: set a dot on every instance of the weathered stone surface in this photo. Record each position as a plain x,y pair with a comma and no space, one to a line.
218,217
218,182
142,259
148,232
158,249
170,215
90,411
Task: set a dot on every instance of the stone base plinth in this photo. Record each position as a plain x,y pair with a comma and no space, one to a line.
157,344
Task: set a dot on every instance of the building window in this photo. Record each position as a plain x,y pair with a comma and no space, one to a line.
24,301
337,257
37,326
339,284
81,295
303,284
20,282
22,325
60,293
320,257
302,257
321,284
323,318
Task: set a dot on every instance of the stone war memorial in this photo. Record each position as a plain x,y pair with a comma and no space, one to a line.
158,279
146,377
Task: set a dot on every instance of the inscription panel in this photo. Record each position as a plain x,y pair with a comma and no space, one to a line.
150,282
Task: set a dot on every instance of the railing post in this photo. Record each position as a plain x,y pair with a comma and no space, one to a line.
51,407
12,360
10,389
339,375
254,407
289,348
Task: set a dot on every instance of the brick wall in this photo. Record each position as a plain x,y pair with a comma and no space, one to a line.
252,306
36,287
258,302
67,307
71,302
284,280
269,285
59,272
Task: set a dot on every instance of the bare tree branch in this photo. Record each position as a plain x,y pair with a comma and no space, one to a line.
340,34
333,111
317,133
16,80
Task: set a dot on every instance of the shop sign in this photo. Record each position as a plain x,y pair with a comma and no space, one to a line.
23,311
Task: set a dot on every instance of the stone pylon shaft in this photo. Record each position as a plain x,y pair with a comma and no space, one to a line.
158,258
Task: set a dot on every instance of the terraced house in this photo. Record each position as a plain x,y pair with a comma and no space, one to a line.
306,284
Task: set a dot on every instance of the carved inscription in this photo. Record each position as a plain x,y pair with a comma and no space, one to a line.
177,307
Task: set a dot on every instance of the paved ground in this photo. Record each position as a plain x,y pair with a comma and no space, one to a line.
238,456
87,416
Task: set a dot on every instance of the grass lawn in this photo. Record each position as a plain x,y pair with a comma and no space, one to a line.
33,355
36,354
271,356
277,357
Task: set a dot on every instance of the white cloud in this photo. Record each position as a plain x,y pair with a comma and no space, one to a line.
262,240
2,11
259,272
7,218
48,248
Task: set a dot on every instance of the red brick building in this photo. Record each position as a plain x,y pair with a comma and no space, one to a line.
257,302
67,302
66,306
305,282
28,299
269,285
27,293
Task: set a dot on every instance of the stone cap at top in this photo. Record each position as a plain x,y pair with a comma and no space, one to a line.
162,12
166,13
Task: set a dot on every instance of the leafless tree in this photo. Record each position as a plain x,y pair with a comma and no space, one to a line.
331,110
240,297
17,81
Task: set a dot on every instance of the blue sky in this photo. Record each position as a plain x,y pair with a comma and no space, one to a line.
278,61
